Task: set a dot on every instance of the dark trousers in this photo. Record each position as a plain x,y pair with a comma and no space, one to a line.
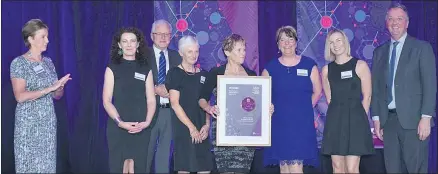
161,137
404,151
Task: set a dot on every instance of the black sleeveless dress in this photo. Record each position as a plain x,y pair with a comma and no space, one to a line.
188,156
347,131
129,99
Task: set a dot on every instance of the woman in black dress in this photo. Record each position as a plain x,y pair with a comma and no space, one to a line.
191,125
347,133
129,82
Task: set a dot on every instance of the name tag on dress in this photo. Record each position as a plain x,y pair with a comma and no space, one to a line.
202,79
302,72
38,69
139,76
346,74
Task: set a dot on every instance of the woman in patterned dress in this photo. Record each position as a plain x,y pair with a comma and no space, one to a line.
35,83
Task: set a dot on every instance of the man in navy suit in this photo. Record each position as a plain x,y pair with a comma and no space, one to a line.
404,95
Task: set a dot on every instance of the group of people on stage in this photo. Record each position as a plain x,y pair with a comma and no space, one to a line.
154,95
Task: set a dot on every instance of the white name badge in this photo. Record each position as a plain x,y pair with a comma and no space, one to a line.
140,76
346,74
202,79
302,72
38,69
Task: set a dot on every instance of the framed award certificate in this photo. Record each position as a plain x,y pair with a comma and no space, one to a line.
244,103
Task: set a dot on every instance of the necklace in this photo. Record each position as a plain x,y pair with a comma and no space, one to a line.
30,57
288,66
189,73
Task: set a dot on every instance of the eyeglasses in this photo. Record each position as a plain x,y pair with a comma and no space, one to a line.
162,34
290,40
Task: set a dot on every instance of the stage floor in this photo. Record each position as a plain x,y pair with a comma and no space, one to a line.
368,164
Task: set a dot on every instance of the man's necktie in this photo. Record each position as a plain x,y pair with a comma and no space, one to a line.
162,69
391,71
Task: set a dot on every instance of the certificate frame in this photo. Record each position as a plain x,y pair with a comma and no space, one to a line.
262,84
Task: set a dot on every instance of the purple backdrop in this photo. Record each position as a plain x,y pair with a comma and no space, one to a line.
364,24
81,33
210,22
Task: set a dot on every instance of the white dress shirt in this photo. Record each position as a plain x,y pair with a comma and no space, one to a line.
399,48
157,58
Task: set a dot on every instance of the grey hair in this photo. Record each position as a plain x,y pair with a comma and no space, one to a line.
185,41
158,22
400,6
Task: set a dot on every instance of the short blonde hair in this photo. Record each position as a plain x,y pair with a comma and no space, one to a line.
288,30
328,55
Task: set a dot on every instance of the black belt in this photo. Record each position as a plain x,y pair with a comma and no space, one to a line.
164,105
392,111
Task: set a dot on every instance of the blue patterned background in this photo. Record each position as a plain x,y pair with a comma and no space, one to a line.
362,21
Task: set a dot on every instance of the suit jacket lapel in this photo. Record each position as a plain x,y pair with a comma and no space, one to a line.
153,65
173,58
385,61
403,60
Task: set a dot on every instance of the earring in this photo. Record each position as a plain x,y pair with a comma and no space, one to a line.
120,52
137,50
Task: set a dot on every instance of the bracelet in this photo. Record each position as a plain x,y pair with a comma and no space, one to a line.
117,120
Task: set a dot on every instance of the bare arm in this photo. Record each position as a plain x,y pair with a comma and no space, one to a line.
207,89
316,82
22,95
363,71
150,95
375,96
107,96
204,104
179,111
326,84
207,119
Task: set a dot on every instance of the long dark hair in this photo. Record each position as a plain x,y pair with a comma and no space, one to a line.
140,56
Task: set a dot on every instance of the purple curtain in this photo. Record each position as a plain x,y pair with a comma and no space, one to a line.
80,35
422,25
273,15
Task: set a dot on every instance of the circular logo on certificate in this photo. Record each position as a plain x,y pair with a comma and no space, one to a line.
248,104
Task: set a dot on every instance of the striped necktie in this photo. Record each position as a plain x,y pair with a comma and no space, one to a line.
162,69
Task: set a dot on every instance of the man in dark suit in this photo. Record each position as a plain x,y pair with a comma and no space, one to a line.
404,95
161,60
